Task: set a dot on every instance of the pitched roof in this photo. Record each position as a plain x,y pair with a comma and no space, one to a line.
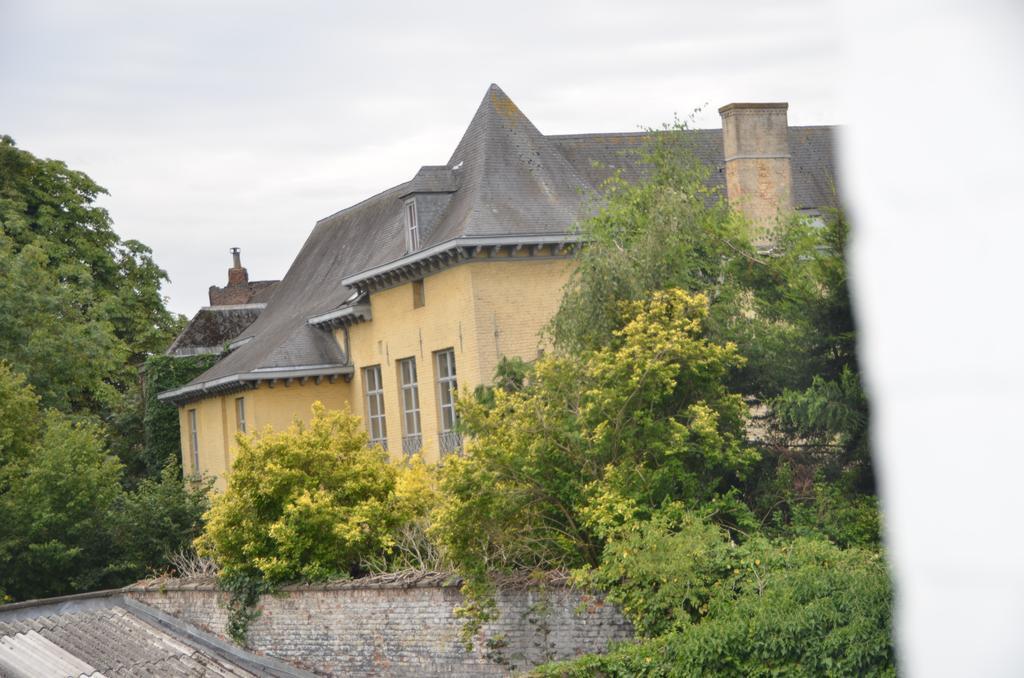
212,327
108,634
505,180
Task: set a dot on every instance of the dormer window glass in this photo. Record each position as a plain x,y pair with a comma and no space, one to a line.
412,226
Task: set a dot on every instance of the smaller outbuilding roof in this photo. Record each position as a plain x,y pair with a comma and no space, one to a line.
213,327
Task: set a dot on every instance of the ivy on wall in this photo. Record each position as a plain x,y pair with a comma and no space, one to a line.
160,419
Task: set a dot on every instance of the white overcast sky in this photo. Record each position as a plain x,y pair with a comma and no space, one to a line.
215,124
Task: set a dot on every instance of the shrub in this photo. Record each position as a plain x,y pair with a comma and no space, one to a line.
664,571
159,518
307,503
801,608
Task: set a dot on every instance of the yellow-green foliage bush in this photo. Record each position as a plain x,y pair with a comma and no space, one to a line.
311,503
647,418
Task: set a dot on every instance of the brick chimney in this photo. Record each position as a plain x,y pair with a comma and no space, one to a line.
238,290
237,275
758,177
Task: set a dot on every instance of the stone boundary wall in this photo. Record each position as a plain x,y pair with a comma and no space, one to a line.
401,629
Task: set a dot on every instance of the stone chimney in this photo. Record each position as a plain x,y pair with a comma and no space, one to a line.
758,177
237,275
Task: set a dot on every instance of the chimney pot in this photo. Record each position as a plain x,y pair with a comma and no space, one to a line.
237,275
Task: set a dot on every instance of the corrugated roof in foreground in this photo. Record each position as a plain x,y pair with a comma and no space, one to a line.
505,178
108,634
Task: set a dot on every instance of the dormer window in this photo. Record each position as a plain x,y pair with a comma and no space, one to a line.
412,226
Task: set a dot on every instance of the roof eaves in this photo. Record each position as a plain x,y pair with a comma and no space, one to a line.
342,316
237,382
459,244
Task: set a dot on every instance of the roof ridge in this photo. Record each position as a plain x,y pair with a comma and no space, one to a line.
576,135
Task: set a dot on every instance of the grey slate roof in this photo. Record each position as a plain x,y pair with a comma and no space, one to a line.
508,180
596,156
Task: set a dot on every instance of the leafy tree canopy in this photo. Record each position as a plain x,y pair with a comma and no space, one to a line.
68,523
646,419
46,204
624,456
79,310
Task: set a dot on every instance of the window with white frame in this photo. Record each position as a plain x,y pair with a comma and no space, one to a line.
375,422
193,441
412,438
240,415
447,384
412,226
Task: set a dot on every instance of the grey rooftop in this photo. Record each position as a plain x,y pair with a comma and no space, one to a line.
506,181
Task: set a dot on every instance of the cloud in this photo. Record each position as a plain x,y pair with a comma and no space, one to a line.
241,123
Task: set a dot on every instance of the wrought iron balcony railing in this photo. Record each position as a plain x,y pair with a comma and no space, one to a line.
450,442
412,444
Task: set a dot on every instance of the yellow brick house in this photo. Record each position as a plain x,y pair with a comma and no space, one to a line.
394,303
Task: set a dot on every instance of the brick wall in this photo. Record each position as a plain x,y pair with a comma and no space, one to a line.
363,629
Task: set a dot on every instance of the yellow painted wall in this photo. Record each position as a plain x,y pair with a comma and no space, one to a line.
280,405
264,406
513,301
215,431
483,309
400,331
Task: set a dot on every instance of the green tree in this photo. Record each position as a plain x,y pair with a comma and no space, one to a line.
787,311
646,418
80,309
669,230
46,204
55,537
69,525
56,336
19,420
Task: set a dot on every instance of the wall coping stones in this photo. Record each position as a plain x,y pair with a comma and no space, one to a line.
390,580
